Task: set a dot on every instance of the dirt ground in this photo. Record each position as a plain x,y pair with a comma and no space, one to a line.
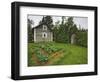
52,58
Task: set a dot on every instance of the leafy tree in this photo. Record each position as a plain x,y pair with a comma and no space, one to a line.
56,31
63,37
30,23
64,31
60,32
71,28
82,37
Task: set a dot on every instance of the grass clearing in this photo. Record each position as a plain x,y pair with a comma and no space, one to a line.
71,54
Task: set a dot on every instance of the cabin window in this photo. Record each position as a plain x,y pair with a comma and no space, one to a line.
44,27
44,35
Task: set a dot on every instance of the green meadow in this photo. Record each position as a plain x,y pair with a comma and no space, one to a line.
52,53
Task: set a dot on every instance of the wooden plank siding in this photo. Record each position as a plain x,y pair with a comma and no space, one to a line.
38,34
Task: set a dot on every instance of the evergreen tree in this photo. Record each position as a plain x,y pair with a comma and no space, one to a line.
56,31
30,23
70,25
48,21
82,37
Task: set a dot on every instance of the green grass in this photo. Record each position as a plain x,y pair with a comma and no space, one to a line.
72,54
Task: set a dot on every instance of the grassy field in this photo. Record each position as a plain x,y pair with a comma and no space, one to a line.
51,53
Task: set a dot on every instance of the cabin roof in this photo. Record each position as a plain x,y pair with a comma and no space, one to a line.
41,25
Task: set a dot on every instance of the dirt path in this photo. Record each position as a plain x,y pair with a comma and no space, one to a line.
53,58
35,60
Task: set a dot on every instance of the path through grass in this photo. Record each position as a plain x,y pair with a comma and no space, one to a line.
72,54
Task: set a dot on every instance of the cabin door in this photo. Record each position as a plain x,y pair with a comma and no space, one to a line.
73,39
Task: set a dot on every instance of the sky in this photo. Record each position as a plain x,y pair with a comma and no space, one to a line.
82,21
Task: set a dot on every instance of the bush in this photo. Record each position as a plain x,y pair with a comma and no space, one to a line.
82,39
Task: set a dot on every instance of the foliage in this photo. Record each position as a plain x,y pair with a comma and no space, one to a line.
30,34
40,56
62,32
49,48
82,38
72,54
47,20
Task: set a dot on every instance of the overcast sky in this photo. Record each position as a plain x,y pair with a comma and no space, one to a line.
82,21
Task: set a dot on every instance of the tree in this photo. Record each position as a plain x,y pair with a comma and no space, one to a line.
64,31
62,34
82,36
56,31
63,19
71,28
48,21
60,31
30,23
